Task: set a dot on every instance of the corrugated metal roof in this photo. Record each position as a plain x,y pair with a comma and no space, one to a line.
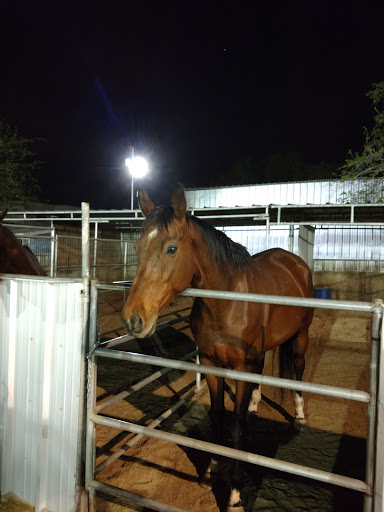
299,193
41,361
353,247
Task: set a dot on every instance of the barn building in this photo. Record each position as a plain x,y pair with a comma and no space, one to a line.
348,249
340,239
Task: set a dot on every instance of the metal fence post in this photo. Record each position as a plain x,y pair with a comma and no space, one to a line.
90,445
53,260
95,249
375,467
371,458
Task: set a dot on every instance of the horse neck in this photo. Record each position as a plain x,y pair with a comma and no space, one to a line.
208,274
17,259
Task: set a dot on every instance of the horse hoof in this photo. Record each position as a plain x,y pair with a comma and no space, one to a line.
299,423
205,483
234,502
235,508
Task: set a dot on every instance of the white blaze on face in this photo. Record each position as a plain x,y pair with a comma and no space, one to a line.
152,233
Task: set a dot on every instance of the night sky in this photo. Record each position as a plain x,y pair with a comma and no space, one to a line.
194,86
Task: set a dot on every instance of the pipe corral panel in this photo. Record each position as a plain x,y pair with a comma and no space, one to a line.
42,390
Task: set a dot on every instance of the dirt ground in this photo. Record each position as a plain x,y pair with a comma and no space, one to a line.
333,441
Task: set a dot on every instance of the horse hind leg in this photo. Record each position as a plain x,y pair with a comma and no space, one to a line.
292,365
255,400
301,344
299,409
256,392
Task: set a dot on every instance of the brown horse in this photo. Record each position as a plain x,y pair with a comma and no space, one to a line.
15,258
177,250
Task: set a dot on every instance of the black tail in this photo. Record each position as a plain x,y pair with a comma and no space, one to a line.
287,359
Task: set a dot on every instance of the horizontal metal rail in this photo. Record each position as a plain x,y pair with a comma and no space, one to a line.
140,385
349,394
102,265
261,460
116,341
155,423
133,497
344,305
128,337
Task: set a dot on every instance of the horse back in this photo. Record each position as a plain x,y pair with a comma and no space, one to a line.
279,272
249,327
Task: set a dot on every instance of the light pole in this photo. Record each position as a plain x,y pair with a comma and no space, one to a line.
137,166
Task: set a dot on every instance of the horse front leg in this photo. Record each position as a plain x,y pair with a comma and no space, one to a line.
239,432
216,390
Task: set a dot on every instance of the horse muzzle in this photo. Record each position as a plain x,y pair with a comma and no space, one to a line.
135,327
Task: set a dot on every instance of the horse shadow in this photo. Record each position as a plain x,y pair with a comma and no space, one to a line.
156,397
263,438
277,491
264,489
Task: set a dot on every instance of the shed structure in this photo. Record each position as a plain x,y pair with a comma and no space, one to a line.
348,236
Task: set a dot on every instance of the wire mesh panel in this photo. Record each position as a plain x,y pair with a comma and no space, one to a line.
68,260
109,259
42,247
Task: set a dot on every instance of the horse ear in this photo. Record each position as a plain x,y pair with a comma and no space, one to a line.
146,205
3,214
178,202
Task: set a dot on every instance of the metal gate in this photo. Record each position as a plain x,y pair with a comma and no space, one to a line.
372,487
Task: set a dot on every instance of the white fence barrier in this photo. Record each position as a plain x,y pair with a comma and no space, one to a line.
41,391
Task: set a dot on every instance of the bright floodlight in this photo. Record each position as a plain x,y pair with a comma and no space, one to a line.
137,166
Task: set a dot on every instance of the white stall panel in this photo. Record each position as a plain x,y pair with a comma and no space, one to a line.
41,390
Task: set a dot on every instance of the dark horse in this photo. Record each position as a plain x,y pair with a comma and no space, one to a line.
15,258
177,250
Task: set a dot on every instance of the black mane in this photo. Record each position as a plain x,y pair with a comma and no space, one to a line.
161,216
223,250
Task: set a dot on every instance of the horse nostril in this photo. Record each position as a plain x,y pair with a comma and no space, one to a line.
134,324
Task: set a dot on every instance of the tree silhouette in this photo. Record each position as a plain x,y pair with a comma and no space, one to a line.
17,165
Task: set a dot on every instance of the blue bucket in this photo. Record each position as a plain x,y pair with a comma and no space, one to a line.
322,293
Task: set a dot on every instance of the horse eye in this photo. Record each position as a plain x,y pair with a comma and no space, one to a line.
171,249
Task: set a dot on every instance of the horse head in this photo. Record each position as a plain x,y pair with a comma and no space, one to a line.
165,263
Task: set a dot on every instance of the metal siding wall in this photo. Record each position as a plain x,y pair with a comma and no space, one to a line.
300,193
41,359
341,248
350,243
254,238
357,245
